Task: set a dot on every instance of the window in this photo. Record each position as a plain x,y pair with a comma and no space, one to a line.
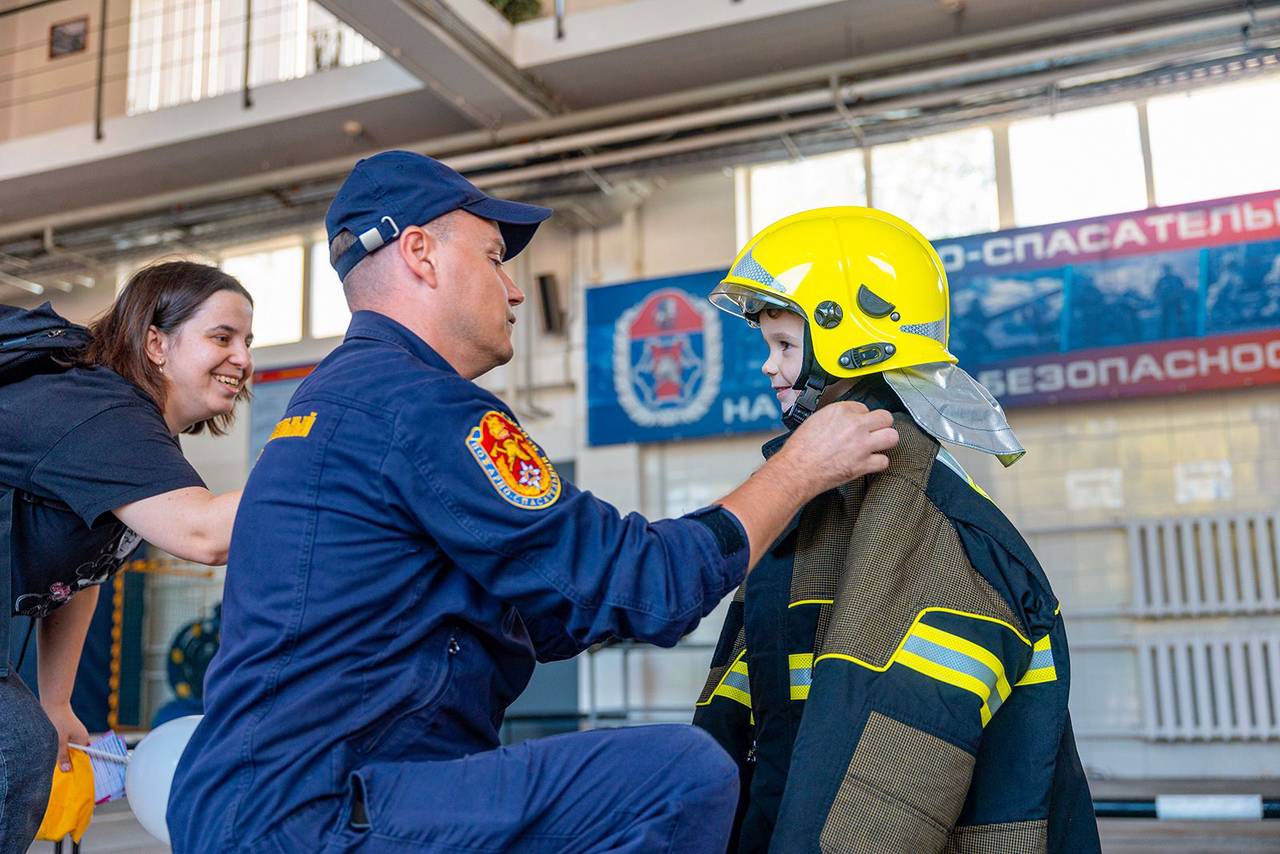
1075,165
777,190
944,185
185,50
1215,142
329,312
274,278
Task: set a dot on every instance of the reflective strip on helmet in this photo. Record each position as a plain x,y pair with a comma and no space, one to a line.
748,268
937,330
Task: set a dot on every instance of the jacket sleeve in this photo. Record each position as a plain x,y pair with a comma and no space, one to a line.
576,569
919,654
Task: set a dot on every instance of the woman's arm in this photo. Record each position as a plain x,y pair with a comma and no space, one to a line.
60,640
191,523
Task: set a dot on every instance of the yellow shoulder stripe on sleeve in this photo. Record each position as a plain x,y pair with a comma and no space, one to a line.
801,670
954,660
735,684
1041,669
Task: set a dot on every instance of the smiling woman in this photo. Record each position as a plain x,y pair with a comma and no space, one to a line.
91,468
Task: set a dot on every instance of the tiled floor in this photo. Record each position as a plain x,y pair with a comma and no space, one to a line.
114,831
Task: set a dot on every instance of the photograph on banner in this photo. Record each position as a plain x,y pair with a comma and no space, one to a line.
1006,316
1243,286
1139,298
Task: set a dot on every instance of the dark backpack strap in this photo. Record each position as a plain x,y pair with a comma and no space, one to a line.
6,576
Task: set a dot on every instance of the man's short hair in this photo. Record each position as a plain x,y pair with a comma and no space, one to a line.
441,228
342,241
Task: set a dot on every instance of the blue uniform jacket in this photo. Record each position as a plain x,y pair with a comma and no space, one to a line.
402,554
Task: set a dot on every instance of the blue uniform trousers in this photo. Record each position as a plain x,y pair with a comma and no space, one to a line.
662,788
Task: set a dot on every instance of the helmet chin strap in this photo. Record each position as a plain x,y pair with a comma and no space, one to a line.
811,383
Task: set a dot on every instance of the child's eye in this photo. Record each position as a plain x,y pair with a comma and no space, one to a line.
784,345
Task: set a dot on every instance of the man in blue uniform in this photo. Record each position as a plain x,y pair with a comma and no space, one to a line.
404,552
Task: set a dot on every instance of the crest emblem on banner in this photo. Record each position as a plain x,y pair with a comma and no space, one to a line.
667,359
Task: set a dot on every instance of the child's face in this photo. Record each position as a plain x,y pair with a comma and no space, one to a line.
784,333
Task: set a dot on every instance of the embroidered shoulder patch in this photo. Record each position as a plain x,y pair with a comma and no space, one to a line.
515,466
297,427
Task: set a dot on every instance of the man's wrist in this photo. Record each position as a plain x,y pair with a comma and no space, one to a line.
788,480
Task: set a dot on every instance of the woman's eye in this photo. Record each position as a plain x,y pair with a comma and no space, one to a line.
222,339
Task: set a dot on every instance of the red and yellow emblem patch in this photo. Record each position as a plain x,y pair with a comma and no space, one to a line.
516,467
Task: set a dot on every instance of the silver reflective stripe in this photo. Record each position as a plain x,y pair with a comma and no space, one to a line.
959,662
937,330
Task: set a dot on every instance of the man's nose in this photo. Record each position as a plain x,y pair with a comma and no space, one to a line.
515,296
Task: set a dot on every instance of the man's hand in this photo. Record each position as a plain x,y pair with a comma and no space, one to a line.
69,730
839,443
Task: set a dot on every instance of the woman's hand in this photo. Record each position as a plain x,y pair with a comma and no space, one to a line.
69,730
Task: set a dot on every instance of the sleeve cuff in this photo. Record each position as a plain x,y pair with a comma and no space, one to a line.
731,539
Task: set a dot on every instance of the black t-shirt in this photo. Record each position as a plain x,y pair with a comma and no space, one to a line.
87,439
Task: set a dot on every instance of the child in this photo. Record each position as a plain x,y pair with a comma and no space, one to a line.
893,675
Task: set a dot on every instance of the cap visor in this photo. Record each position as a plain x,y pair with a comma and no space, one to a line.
516,220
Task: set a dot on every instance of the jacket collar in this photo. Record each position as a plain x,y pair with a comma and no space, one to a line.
378,327
871,391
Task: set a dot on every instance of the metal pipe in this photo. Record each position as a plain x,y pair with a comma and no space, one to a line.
248,51
102,62
444,145
23,284
678,146
818,98
934,51
1269,808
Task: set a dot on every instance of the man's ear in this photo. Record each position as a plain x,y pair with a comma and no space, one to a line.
419,250
157,346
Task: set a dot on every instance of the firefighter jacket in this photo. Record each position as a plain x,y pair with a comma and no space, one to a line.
893,675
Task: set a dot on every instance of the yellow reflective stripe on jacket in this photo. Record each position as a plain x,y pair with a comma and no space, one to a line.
801,670
1041,668
957,661
736,682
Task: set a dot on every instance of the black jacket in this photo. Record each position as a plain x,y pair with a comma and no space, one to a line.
893,676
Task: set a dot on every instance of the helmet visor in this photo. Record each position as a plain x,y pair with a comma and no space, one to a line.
747,303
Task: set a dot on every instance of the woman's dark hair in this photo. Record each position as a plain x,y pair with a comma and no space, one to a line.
164,296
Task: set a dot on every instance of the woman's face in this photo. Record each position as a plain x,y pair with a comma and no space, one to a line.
783,331
206,361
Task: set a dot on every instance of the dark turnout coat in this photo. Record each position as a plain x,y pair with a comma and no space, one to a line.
893,675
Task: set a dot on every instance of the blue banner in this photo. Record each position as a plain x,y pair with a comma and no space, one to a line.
1156,302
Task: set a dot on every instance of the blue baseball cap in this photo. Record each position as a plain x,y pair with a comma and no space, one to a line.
395,189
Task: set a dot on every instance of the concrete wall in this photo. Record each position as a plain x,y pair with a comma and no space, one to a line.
39,94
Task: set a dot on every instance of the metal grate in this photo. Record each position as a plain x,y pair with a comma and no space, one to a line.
1208,565
1211,688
